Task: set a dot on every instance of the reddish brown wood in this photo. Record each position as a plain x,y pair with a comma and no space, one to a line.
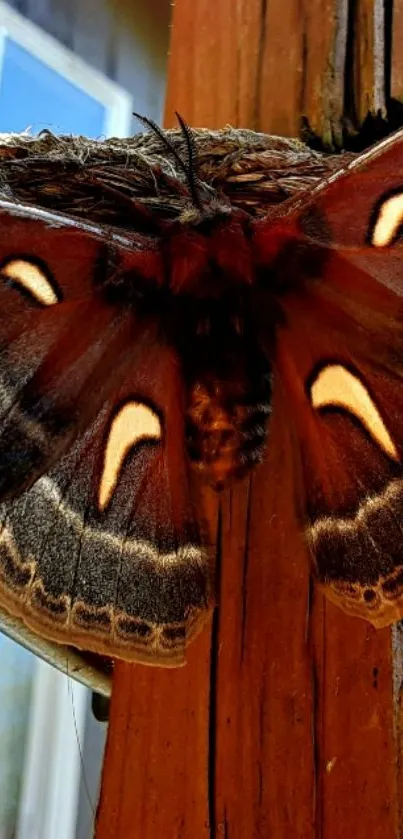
396,87
397,653
215,61
156,773
265,779
288,728
357,789
156,768
261,49
369,59
304,55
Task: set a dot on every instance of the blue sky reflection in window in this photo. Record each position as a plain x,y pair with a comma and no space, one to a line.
34,95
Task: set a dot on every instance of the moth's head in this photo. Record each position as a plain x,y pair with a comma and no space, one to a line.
207,210
208,252
206,248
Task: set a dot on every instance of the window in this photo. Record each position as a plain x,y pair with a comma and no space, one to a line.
44,85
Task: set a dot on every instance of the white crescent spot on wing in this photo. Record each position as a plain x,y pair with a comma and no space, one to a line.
389,219
134,423
32,278
335,385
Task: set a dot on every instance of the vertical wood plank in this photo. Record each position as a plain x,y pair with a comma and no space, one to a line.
156,772
322,663
226,91
396,87
295,735
155,780
267,47
354,727
305,48
368,24
265,778
397,654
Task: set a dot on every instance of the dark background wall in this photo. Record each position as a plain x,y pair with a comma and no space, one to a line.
125,39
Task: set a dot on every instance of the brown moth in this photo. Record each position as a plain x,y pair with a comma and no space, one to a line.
134,366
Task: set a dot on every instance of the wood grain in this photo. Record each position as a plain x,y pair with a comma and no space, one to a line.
155,781
265,779
263,48
368,77
304,56
396,82
357,790
285,726
216,51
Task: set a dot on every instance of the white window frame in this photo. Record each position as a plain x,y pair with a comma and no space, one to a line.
53,758
116,100
50,788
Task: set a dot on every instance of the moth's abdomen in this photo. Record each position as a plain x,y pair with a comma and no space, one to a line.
227,428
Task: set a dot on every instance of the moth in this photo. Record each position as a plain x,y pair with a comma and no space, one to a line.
136,366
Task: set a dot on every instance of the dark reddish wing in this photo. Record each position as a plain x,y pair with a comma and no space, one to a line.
124,573
100,544
123,357
339,376
55,366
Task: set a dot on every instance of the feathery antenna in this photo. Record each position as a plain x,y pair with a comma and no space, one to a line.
188,167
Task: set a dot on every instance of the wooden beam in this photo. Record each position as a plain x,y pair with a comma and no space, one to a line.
259,50
284,726
156,772
368,77
396,86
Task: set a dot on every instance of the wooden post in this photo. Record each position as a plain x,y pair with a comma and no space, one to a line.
282,723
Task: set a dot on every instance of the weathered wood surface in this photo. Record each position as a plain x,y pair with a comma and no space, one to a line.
286,725
270,66
396,85
368,51
157,773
